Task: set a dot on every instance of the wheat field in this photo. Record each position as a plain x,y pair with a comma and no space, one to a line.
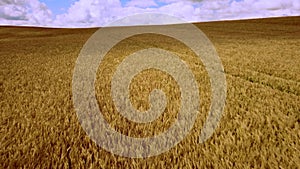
259,127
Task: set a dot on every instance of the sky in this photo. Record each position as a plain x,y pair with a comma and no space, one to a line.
94,13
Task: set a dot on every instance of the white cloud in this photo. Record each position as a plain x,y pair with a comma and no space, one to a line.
24,12
173,1
88,13
183,10
13,12
142,4
227,10
92,13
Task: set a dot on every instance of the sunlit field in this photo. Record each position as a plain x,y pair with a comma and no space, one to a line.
259,128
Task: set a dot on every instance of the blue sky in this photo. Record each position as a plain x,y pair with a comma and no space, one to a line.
60,6
91,13
57,6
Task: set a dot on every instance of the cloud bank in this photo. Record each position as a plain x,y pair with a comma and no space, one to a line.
24,12
93,13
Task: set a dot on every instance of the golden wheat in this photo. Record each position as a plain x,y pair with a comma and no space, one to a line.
259,128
